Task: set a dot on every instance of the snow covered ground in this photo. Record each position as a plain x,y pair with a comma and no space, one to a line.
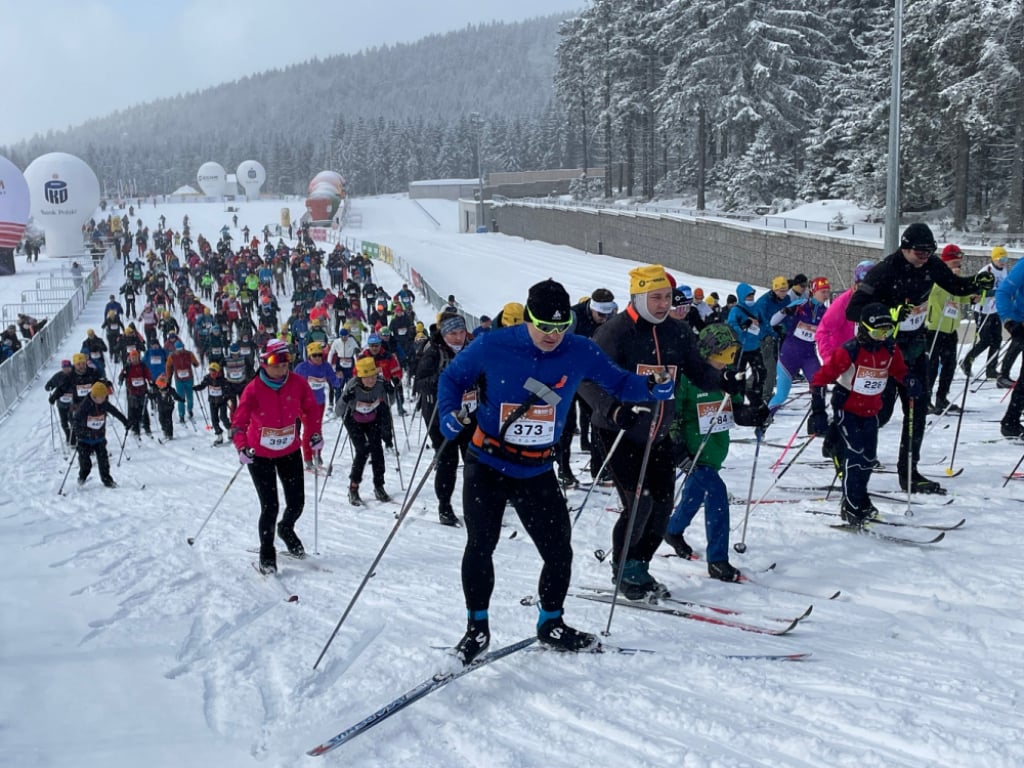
124,646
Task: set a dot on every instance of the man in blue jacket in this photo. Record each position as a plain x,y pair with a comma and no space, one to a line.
747,325
1010,309
525,377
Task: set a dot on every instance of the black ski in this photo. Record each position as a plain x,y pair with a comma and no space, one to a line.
694,604
901,523
413,695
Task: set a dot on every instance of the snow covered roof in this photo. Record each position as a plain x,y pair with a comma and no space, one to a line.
185,190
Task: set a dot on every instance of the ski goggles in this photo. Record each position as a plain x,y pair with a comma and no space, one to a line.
278,358
878,334
546,326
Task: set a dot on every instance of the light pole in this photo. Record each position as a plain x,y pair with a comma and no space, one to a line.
892,192
479,124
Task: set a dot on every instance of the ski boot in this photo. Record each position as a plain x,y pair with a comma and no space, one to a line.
559,636
295,548
474,642
723,571
353,495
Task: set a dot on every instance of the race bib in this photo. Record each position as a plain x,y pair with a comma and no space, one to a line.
870,381
469,401
402,331
316,384
754,328
989,306
711,420
277,439
804,331
646,369
215,391
137,381
94,355
951,310
66,398
82,389
95,422
246,351
345,362
915,319
183,374
535,427
363,406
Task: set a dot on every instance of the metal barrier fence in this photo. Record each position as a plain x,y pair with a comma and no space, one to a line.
18,372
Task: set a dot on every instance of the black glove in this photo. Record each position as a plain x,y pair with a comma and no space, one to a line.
625,416
818,423
1015,329
984,281
53,398
745,324
903,311
681,457
389,440
348,395
754,415
732,382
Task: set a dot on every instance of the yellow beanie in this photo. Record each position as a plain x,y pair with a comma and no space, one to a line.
999,252
366,366
99,389
711,301
780,284
512,314
648,278
78,358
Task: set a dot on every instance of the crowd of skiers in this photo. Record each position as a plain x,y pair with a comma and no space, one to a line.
651,390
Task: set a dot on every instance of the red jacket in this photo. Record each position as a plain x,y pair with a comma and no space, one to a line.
265,419
865,377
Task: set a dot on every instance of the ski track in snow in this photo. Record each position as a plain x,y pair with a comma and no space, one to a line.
916,664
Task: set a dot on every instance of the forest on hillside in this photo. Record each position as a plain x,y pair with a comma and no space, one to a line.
735,103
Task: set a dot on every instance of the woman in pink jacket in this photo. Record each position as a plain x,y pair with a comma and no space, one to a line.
834,330
268,439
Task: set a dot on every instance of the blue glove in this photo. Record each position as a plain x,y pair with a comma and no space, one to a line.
451,426
246,456
661,385
797,302
914,386
316,442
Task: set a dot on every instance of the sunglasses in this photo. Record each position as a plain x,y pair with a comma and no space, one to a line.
546,326
278,358
316,354
923,250
878,334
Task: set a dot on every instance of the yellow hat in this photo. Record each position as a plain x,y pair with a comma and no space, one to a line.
999,253
77,358
780,284
214,366
314,348
711,301
512,314
648,278
99,389
366,366
91,332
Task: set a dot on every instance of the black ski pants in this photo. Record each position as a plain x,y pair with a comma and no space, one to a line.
265,472
655,506
541,507
368,444
85,450
941,363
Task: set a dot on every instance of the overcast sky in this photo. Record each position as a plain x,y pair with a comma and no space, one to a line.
66,61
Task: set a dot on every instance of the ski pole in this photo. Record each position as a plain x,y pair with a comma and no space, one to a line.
785,469
741,545
192,539
398,463
202,408
600,473
956,437
910,454
71,461
1014,470
796,431
387,542
123,441
53,442
655,421
316,512
330,465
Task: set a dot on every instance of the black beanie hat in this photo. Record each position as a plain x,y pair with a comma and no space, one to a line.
548,301
800,279
917,235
